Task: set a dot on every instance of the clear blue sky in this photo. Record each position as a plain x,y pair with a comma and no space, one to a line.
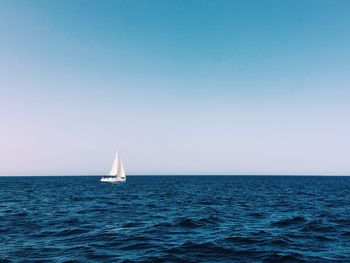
181,87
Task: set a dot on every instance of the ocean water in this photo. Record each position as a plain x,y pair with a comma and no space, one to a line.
175,219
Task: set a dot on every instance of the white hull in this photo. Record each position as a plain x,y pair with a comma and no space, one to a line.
112,180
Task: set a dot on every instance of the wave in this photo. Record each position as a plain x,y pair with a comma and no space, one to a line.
240,240
209,248
318,226
285,257
289,221
187,222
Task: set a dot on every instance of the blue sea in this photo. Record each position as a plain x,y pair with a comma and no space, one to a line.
175,219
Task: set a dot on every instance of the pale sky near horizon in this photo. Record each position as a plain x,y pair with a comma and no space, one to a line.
180,87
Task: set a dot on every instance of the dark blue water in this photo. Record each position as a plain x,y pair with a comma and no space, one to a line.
175,219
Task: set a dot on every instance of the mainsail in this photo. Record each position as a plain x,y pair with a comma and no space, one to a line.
114,170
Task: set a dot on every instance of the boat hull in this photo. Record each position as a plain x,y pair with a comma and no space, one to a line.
112,180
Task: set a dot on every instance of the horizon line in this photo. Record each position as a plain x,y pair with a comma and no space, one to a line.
180,175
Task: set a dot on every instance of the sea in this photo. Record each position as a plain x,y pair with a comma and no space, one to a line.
175,219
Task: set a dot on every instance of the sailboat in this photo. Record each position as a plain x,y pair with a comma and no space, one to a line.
117,173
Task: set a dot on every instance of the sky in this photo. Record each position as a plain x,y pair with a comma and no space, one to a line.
179,87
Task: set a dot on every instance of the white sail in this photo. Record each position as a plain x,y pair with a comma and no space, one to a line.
114,170
121,172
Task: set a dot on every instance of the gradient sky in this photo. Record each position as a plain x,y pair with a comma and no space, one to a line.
180,87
